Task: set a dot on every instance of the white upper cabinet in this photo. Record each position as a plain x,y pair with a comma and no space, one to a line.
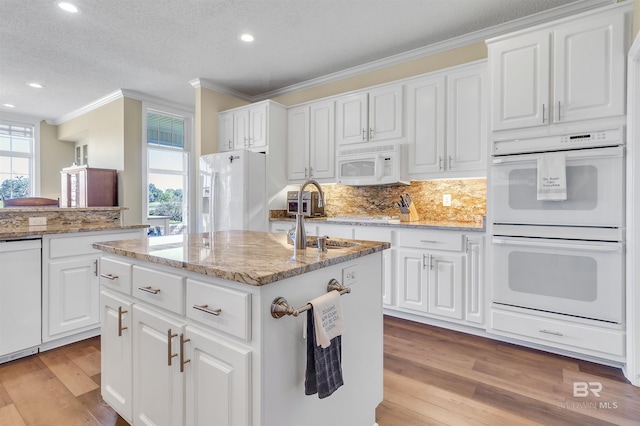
447,129
569,71
250,127
311,141
375,115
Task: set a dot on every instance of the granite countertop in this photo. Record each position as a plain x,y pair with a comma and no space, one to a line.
249,257
420,224
10,232
35,209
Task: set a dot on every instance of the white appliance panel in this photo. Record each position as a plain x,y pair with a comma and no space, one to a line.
576,278
595,190
233,192
20,295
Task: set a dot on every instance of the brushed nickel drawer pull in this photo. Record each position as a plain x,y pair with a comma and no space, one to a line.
555,333
429,241
182,360
109,276
149,289
205,308
169,354
120,327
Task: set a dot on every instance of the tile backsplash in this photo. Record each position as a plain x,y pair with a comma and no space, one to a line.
468,199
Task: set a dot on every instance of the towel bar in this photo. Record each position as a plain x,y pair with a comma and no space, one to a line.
280,307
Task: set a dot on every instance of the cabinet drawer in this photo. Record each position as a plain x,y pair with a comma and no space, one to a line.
560,334
234,315
159,288
431,240
79,245
115,275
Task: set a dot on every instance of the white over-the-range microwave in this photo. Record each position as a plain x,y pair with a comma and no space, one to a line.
371,165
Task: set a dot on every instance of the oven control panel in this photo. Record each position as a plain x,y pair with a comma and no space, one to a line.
600,138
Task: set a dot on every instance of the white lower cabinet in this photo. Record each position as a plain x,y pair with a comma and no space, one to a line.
158,387
217,380
440,274
160,367
115,352
70,290
73,295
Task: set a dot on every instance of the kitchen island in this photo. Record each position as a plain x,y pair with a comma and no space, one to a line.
188,335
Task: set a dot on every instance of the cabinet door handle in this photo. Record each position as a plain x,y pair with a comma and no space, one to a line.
558,110
208,310
109,276
431,262
543,109
440,162
450,162
370,133
364,135
310,172
230,144
182,360
120,327
555,333
95,265
170,355
149,289
305,172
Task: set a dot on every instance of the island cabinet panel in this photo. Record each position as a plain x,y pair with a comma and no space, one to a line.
218,381
222,308
115,352
159,288
158,384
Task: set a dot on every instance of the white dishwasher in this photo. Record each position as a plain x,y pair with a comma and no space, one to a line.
20,297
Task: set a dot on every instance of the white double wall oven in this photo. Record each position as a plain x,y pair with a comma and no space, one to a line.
562,256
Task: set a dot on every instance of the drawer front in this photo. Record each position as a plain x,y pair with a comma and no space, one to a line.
222,308
115,274
79,245
159,288
560,334
431,240
371,233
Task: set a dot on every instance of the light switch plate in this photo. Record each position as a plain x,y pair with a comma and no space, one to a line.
446,200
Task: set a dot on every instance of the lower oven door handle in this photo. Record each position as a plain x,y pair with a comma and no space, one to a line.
594,247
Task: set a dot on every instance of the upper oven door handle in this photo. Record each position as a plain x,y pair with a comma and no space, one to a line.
595,246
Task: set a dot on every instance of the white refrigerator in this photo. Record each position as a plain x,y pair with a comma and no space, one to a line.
232,192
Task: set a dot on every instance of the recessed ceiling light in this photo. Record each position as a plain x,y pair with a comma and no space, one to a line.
9,105
248,38
36,85
68,7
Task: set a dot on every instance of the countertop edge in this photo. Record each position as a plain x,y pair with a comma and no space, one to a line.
68,229
253,279
409,225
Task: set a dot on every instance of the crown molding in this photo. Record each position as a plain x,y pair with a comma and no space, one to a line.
114,96
432,49
207,84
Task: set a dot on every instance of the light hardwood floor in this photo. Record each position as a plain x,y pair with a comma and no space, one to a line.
432,376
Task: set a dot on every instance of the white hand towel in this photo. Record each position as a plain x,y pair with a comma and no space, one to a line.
552,177
327,315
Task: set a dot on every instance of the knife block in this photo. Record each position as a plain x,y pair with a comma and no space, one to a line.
412,216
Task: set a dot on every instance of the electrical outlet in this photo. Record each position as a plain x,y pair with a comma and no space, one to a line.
349,275
37,221
446,200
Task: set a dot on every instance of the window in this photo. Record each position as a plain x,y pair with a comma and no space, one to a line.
167,173
16,160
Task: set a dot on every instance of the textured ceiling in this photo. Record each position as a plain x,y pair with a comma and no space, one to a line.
156,47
